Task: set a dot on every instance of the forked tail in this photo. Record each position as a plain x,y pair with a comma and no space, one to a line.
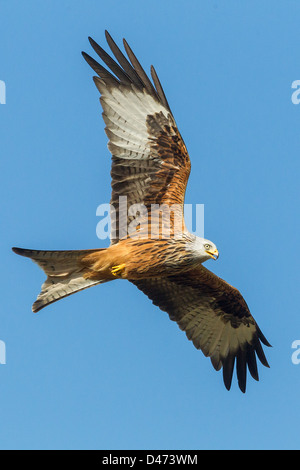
65,274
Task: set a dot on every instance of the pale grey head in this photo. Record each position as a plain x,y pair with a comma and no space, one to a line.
203,249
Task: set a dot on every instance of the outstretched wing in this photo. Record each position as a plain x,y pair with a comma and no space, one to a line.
150,162
215,317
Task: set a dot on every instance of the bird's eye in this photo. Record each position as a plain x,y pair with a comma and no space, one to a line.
207,246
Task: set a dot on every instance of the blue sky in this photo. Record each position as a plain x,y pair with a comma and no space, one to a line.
105,369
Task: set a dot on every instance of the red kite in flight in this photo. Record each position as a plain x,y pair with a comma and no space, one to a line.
151,167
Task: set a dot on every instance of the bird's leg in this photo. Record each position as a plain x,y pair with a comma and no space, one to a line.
118,270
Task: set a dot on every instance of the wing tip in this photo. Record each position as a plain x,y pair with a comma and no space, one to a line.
262,337
243,361
128,70
91,40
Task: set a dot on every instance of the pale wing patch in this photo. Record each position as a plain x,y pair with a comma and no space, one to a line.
125,112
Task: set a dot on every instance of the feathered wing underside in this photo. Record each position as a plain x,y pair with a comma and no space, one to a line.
150,162
215,317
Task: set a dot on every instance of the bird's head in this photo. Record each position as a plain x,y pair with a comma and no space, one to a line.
205,249
210,249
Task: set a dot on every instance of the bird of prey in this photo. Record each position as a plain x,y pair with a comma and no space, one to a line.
151,167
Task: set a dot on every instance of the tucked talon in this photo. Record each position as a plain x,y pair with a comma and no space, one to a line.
117,270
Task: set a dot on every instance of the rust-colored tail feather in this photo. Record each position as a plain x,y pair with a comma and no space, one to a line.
65,274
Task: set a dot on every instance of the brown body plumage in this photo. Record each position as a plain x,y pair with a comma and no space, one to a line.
150,168
141,258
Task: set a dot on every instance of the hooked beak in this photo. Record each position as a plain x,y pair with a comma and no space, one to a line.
213,254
